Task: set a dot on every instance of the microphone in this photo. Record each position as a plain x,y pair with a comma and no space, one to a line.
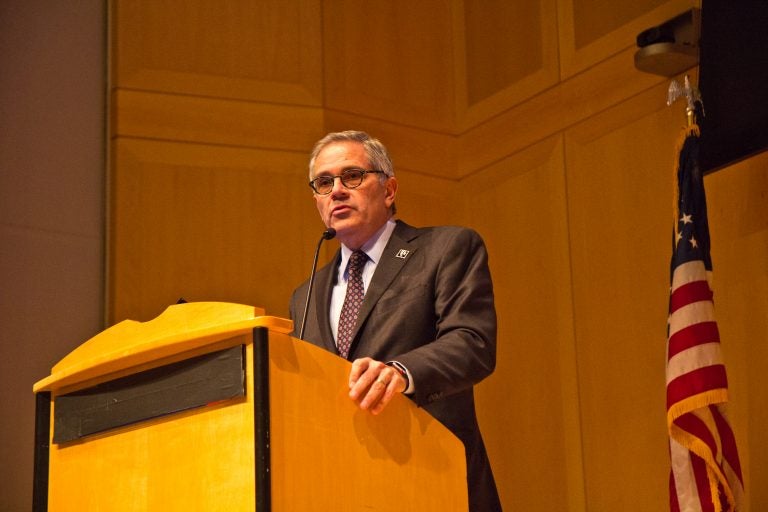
327,235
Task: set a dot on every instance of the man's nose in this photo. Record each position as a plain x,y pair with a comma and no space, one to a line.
338,188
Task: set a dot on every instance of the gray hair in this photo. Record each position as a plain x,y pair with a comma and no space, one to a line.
378,156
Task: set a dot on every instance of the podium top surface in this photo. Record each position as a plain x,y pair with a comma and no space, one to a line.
178,329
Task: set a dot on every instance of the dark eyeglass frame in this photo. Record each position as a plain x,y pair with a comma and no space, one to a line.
344,177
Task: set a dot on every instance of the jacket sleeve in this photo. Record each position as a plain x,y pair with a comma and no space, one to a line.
463,351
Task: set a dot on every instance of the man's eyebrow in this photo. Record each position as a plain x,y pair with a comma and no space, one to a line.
345,168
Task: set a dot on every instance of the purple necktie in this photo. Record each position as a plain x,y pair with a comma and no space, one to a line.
352,302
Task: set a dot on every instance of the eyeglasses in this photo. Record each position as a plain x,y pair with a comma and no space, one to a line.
350,178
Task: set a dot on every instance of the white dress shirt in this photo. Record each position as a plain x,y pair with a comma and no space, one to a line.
373,248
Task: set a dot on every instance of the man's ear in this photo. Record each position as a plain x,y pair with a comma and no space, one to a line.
391,191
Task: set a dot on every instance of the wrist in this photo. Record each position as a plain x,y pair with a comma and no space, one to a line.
402,371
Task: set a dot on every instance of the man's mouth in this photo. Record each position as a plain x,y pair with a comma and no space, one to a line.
340,209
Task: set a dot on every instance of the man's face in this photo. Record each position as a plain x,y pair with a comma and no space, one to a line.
356,214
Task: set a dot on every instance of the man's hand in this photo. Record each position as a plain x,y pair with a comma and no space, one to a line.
373,384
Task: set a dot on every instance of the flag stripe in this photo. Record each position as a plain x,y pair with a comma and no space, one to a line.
692,335
682,480
696,382
697,312
698,428
702,483
693,358
694,291
674,504
728,441
688,271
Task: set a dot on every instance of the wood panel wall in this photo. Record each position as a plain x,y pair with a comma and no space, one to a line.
524,120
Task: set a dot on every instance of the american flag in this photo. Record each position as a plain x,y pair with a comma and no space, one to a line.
705,470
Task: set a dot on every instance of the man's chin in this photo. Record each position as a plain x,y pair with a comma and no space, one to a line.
341,225
345,231
341,229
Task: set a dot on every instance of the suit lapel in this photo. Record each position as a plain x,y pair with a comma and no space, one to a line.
399,250
326,279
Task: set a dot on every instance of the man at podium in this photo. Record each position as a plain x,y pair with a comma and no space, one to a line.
412,308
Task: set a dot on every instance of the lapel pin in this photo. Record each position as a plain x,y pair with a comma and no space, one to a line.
402,253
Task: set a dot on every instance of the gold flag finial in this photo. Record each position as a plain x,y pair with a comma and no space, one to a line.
691,94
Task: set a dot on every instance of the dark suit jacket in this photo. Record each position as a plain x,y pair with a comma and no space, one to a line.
429,306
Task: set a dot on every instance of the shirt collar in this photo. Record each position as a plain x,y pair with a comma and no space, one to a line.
373,248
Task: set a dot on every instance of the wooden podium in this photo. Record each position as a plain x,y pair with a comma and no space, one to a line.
213,406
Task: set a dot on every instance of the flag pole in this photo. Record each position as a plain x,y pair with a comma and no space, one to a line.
692,98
